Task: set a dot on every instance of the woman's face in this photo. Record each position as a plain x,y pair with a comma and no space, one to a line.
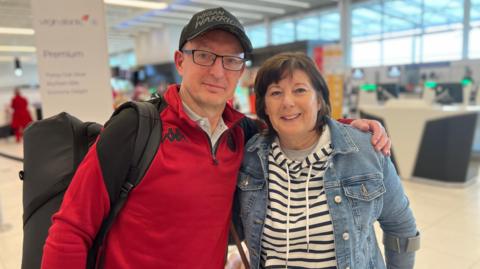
292,106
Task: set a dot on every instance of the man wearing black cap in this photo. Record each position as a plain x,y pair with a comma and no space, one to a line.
179,215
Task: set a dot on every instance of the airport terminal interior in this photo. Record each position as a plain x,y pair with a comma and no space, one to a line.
413,65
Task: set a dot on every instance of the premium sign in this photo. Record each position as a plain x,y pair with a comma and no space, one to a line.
72,58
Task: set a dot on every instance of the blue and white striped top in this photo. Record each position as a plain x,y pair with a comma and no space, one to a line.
298,231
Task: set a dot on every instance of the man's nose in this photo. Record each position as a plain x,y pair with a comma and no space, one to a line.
217,69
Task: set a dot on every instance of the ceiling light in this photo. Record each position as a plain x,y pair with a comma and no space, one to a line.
242,6
17,48
289,3
9,59
137,4
186,8
247,15
170,14
239,14
16,31
18,72
165,20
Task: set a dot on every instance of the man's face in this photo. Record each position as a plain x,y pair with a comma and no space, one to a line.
208,87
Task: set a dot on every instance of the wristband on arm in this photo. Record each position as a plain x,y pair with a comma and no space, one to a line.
401,245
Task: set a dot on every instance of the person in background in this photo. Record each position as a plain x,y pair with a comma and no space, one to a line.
311,188
21,116
179,215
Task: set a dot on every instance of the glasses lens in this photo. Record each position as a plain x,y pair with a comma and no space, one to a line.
233,63
203,57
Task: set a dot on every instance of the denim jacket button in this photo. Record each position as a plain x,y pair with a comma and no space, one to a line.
346,236
338,199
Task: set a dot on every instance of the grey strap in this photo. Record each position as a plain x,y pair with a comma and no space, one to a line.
401,245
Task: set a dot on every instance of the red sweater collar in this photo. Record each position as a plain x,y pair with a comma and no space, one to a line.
230,116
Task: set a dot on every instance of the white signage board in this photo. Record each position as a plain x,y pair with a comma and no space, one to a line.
72,56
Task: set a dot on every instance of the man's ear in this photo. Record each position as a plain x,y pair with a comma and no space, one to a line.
178,56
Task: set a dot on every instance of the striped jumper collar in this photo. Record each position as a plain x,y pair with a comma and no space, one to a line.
341,140
322,148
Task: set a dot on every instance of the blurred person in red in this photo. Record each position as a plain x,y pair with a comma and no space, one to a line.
21,116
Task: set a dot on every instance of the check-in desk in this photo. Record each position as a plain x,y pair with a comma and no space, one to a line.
429,142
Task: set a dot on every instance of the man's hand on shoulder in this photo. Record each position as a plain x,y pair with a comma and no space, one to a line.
380,140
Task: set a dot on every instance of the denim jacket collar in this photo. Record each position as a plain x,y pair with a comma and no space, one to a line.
341,140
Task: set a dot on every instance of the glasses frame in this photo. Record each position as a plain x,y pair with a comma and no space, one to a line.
192,52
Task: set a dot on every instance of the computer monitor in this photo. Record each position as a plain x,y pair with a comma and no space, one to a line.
448,93
387,91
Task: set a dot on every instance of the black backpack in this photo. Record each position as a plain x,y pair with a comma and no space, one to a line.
53,149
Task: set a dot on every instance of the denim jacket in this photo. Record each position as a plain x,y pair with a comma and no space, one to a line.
361,187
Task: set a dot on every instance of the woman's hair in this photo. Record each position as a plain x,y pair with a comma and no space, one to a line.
281,66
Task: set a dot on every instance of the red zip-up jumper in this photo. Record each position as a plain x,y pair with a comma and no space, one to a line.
177,217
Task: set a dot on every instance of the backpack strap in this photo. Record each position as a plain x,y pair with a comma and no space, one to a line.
250,127
147,141
238,243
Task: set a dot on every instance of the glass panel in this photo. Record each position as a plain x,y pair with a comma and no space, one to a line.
442,12
401,16
474,43
330,26
366,54
283,32
366,19
475,12
320,26
257,35
439,46
397,51
309,28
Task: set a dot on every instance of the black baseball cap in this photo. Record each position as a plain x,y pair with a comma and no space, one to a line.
211,19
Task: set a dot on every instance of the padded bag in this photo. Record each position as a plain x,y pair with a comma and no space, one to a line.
53,149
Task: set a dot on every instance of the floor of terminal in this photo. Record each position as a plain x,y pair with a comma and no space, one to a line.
448,219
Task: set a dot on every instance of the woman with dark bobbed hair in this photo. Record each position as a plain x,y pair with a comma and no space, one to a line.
311,188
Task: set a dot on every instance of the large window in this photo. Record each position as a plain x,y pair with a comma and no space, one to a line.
474,44
258,35
324,26
411,31
397,50
366,21
442,13
317,25
363,53
283,31
443,46
400,15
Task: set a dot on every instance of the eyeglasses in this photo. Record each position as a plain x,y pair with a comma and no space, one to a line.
206,58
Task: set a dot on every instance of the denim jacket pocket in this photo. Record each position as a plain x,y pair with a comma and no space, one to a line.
364,193
364,187
247,182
